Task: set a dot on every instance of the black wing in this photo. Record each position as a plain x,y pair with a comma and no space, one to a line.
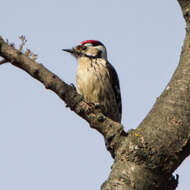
116,86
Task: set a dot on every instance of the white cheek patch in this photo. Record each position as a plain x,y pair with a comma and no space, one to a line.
92,51
103,50
87,44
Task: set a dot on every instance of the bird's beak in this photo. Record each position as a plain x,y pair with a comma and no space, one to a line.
69,50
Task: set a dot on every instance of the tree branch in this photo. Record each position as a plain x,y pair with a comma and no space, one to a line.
109,129
3,61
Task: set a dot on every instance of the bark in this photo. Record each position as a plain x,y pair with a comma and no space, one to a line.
144,158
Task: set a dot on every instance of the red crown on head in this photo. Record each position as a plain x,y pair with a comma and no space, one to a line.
93,42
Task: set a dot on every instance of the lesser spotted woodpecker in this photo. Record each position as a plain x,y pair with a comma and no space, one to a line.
96,78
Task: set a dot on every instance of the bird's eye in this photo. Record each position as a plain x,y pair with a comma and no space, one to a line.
83,47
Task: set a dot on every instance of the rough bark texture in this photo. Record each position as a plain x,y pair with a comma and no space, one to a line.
145,158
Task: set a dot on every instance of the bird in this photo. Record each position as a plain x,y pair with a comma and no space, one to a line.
96,79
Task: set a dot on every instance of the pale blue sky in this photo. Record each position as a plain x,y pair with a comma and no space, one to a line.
43,144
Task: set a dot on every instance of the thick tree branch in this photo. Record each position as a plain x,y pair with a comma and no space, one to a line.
151,153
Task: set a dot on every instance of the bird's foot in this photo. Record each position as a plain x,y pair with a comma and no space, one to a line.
95,106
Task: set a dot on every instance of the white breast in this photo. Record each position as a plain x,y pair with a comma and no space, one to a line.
91,79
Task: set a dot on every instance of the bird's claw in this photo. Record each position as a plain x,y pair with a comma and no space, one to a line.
95,106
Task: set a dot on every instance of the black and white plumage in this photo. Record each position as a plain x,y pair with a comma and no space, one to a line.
96,78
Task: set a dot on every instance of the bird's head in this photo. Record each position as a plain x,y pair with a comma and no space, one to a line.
89,48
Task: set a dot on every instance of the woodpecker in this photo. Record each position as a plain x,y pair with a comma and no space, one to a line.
96,78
